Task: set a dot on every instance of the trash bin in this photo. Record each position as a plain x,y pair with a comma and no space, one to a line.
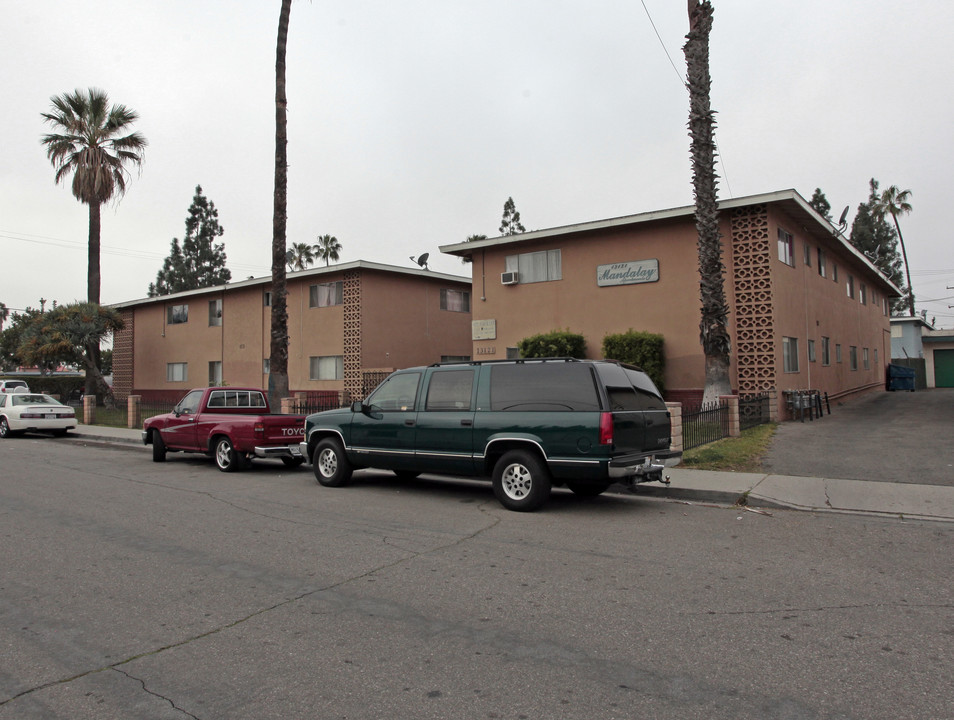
900,378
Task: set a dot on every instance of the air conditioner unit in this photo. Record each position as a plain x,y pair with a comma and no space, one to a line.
509,278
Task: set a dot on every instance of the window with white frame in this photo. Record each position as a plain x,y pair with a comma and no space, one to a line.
850,286
215,373
215,312
852,357
790,354
542,266
326,367
267,366
811,351
837,352
455,300
177,314
826,351
177,372
864,358
822,263
267,298
786,247
808,254
326,294
834,272
863,294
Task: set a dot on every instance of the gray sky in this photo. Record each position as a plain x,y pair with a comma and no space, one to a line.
410,123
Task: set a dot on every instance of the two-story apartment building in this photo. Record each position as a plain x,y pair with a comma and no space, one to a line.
806,309
347,324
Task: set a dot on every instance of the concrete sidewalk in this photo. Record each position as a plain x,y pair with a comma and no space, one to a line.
898,500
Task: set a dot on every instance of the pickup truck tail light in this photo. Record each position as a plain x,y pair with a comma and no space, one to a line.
259,430
606,428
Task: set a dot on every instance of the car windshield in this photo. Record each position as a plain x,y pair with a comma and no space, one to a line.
25,399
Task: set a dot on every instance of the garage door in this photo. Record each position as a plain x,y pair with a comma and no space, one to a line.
944,368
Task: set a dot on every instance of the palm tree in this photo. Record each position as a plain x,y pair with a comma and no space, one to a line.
895,202
278,348
300,256
327,248
4,314
713,325
93,143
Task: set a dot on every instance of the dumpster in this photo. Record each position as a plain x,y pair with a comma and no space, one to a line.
900,377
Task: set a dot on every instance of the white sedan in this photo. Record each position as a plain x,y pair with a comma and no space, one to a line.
33,411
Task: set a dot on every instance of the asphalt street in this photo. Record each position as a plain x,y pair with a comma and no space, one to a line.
130,589
897,437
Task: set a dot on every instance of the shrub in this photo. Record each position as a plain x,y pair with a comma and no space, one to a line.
559,343
643,349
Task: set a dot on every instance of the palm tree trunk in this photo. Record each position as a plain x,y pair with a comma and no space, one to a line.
278,357
93,275
713,326
907,269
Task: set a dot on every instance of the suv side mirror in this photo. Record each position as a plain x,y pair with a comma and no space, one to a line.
357,407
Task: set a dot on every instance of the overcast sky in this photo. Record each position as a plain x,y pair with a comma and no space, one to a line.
411,122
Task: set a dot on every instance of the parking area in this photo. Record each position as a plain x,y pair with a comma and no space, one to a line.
901,437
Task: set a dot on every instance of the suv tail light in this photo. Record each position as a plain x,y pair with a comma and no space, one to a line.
606,428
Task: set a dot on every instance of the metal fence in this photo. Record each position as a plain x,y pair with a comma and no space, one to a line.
704,424
318,400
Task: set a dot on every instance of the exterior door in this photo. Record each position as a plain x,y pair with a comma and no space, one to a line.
944,368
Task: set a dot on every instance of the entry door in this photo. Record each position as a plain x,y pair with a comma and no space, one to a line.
944,368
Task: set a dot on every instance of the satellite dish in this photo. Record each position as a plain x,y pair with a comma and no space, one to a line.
422,260
843,220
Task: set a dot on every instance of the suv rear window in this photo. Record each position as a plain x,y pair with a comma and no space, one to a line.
629,389
546,386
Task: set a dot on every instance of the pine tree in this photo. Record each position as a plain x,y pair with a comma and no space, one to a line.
510,222
820,204
878,241
198,262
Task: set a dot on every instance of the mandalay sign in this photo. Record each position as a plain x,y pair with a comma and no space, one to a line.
627,273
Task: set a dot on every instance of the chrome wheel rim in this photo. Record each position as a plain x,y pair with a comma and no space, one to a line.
516,481
223,452
327,463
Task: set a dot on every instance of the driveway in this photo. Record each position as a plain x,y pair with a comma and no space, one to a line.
905,437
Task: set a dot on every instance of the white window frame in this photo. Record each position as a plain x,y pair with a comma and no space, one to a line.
822,263
826,351
811,351
177,314
786,247
177,372
455,300
850,286
852,357
215,373
790,354
326,367
534,267
215,313
326,294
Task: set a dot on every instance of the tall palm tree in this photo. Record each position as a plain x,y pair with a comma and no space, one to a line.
895,202
300,256
713,325
92,141
328,248
278,348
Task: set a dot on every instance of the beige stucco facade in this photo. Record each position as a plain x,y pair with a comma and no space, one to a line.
775,303
375,318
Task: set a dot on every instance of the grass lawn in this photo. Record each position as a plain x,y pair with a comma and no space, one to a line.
741,454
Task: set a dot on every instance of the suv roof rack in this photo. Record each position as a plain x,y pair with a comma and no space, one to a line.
510,360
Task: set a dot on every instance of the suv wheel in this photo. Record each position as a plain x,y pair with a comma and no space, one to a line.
330,463
521,480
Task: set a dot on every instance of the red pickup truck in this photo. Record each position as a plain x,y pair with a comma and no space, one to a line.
230,424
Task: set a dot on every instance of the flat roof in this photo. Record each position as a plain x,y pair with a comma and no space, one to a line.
297,275
790,200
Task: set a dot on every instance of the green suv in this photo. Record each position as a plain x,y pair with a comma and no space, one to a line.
527,424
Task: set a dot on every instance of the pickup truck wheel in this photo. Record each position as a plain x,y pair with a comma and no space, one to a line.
158,447
521,481
226,457
293,462
331,465
588,489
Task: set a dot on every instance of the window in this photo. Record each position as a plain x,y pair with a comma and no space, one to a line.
215,313
455,358
513,353
808,254
266,365
215,373
327,367
786,247
237,398
455,300
267,298
534,267
826,351
876,356
863,294
177,372
834,272
811,351
790,354
822,262
543,387
838,352
398,392
864,358
177,314
853,357
450,390
326,294
850,286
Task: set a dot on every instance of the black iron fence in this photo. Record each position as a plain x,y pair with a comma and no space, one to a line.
704,424
318,400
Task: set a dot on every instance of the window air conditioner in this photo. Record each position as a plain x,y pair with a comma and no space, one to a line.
509,278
